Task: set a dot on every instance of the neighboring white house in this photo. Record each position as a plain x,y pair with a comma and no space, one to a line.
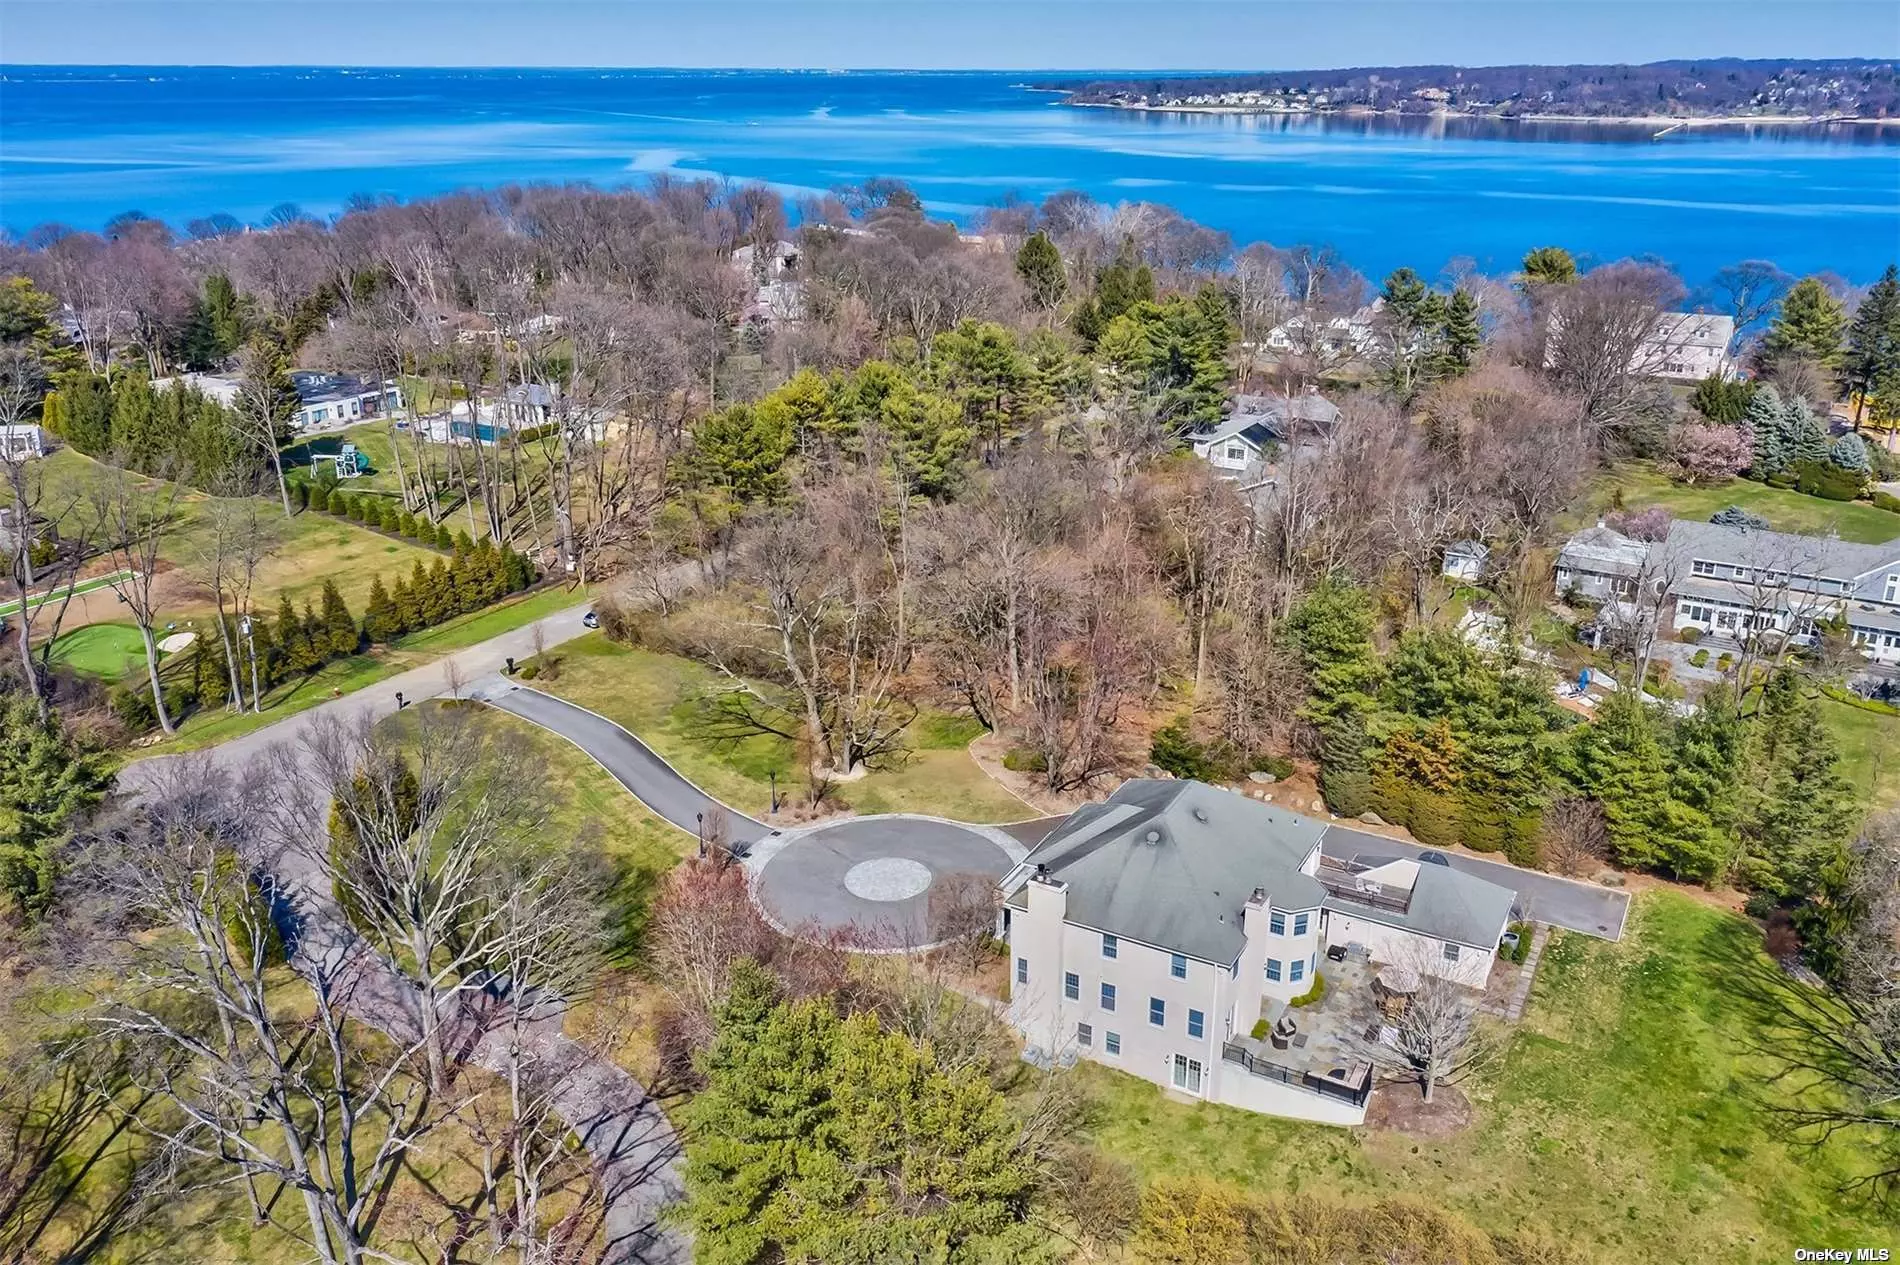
1730,582
1238,446
18,442
1690,346
778,294
1356,335
1466,559
323,399
210,385
1152,931
523,406
333,399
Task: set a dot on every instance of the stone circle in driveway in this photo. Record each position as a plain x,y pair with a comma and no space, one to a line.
867,881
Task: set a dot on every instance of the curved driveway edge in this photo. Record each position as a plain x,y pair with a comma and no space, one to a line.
629,761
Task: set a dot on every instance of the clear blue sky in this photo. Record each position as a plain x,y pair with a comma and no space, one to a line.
1002,34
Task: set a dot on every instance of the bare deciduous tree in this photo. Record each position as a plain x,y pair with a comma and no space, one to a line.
134,516
1438,1032
1575,838
962,915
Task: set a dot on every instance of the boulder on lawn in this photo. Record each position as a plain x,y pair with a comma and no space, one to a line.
1372,819
1262,777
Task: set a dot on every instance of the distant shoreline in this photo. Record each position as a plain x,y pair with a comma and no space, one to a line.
1666,122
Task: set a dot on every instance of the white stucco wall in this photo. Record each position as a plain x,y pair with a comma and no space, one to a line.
1408,948
1240,1088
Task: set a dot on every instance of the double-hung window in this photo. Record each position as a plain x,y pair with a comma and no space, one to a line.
1022,970
1110,946
1108,996
1300,924
1197,1024
1273,968
1296,970
1177,965
1157,1012
1112,1043
1084,1035
1072,986
1451,951
1276,923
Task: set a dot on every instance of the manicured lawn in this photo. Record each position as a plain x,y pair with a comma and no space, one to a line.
469,630
210,727
1870,750
655,696
1628,1115
108,651
1786,510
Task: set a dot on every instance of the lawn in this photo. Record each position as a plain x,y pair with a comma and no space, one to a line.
468,630
1870,750
1628,1115
1643,485
108,651
654,696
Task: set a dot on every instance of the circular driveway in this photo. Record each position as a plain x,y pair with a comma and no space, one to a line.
869,880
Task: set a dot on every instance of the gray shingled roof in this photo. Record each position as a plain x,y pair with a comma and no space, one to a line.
1753,547
1446,904
1172,863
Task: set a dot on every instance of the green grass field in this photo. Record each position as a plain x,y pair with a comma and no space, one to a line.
1628,1114
1643,485
468,630
653,695
1870,750
107,651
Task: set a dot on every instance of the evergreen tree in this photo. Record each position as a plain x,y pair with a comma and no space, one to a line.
821,1139
1118,288
379,615
1809,325
437,595
1462,337
444,539
223,314
49,782
1723,399
979,366
1039,264
1806,434
340,635
295,652
1768,424
1873,341
1332,630
412,606
1619,763
1849,453
1548,265
1345,777
742,451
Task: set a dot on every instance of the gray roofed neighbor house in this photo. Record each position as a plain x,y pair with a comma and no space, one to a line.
1751,546
1173,863
1446,904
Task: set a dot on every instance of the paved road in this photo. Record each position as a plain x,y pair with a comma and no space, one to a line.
630,761
630,1139
1561,902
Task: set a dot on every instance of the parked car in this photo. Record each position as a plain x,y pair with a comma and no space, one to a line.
590,620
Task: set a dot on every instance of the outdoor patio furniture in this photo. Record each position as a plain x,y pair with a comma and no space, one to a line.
1336,953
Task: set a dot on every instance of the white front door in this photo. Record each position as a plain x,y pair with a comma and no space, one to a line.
1187,1074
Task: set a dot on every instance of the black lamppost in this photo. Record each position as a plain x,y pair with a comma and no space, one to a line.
773,774
699,827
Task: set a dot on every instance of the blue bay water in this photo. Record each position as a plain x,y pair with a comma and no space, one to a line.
78,145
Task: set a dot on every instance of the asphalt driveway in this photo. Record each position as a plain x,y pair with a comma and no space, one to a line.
631,762
1561,902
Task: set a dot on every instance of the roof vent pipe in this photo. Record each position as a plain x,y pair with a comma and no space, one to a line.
1153,836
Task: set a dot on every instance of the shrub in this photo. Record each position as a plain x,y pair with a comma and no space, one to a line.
1827,482
319,499
1024,760
1736,516
1724,661
1523,949
530,672
1524,841
1887,501
390,519
444,538
300,496
1689,635
133,709
1781,479
1435,821
1260,1030
1174,750
1700,658
1311,995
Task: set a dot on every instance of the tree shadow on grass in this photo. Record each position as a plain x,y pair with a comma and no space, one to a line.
1831,1075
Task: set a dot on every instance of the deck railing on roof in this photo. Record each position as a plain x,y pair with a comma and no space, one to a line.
1321,1085
1347,885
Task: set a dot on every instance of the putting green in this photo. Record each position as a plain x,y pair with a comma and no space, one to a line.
102,650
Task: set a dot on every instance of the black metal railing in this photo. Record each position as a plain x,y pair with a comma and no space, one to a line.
1325,1087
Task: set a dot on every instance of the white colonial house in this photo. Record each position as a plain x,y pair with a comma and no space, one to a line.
1733,582
1155,930
1690,346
